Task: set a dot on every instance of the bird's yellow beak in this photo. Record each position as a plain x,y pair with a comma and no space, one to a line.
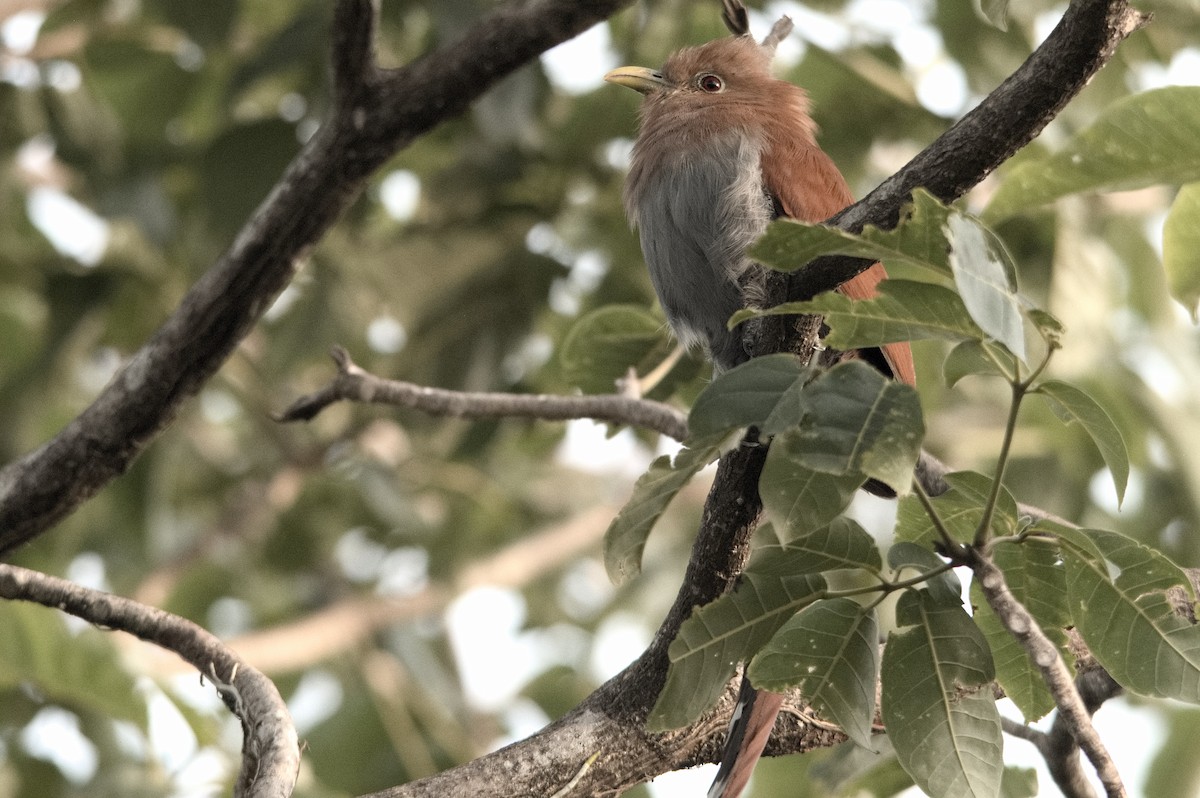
640,79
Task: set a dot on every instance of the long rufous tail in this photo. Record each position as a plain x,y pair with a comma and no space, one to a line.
749,729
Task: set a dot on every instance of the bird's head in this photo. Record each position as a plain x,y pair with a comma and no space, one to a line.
709,73
722,80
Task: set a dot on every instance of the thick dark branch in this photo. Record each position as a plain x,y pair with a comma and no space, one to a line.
1011,117
354,384
270,751
377,113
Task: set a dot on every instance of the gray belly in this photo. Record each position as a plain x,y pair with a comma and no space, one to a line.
696,217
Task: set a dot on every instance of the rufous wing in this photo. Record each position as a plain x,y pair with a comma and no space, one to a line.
808,187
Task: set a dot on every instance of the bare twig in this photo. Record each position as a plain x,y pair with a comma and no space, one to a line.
354,384
270,751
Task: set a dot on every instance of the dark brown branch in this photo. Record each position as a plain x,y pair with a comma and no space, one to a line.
354,384
1012,116
270,751
377,113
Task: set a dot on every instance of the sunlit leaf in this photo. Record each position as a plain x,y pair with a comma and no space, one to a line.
1019,783
910,560
937,701
600,348
1181,248
986,281
994,11
1072,404
1137,141
830,650
80,670
717,636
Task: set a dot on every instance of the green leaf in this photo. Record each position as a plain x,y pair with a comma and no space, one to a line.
1138,141
81,671
1019,783
841,544
830,650
626,535
976,357
1038,581
937,702
904,310
1175,769
918,240
986,281
861,422
745,395
961,511
599,348
797,499
1050,328
717,636
1072,404
205,23
909,560
240,166
1128,623
1181,248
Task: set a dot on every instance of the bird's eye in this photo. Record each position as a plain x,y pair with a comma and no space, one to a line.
710,83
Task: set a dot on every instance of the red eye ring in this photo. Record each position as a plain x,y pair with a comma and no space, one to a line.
710,83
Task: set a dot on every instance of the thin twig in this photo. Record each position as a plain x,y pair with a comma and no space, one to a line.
354,384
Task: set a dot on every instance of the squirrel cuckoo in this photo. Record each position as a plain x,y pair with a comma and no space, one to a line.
723,149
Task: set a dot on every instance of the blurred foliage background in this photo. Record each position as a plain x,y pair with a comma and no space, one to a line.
423,589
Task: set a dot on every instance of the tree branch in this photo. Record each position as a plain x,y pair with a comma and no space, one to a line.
354,384
1045,655
377,112
1011,116
270,750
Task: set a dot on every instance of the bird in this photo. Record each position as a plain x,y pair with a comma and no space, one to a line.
723,149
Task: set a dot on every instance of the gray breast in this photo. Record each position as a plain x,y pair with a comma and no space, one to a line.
696,215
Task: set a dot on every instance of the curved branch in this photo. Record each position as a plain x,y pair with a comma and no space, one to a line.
354,384
270,750
377,113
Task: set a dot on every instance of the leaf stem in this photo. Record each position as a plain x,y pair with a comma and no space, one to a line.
1019,388
885,587
954,549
